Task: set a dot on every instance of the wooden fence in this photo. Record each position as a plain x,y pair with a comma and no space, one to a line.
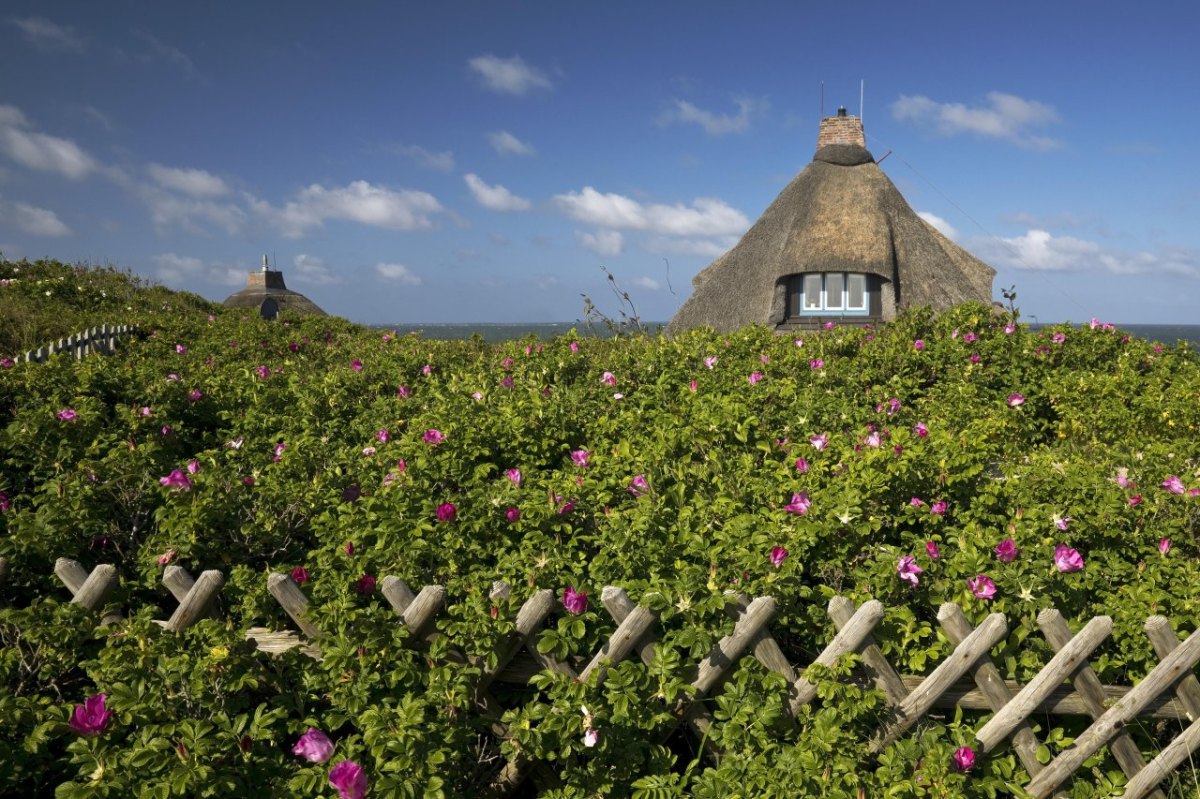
967,678
101,339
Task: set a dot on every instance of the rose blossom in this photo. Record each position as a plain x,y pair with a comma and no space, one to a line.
314,746
575,602
964,758
92,716
907,569
1006,551
349,779
1067,559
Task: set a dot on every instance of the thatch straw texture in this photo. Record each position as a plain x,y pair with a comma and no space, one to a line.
288,302
840,214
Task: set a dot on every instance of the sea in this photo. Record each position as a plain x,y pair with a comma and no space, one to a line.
515,331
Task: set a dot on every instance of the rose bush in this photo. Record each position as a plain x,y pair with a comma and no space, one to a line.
857,464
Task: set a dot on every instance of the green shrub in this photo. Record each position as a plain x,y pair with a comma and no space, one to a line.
289,469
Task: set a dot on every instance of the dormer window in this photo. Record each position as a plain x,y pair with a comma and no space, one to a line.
829,294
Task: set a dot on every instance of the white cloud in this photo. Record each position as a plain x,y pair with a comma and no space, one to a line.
608,243
509,75
507,144
178,271
546,282
99,117
1062,219
360,202
48,36
195,182
40,151
1006,116
497,198
499,239
158,50
940,225
311,269
708,248
11,116
1038,250
399,273
706,216
715,124
193,215
442,162
32,220
648,283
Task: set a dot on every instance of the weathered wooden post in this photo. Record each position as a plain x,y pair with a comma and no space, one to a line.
292,599
195,597
89,590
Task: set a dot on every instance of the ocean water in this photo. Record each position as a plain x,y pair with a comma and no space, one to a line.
505,331
495,332
1167,334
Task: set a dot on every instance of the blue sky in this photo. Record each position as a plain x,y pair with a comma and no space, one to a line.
482,161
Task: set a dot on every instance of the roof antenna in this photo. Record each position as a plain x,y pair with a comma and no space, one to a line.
862,88
822,99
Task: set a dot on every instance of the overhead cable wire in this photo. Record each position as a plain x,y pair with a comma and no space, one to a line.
1013,251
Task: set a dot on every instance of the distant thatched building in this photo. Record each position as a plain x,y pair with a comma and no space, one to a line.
266,293
839,243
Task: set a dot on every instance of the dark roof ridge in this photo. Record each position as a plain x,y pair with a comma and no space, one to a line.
844,155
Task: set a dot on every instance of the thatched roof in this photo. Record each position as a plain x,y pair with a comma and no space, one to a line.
269,285
289,302
841,213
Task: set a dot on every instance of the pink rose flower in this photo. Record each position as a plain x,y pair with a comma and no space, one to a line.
907,569
1006,551
1067,559
349,779
92,716
575,602
799,505
314,746
982,586
176,481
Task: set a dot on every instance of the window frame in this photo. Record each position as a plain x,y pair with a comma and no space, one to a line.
823,307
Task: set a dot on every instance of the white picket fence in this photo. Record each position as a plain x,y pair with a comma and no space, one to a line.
102,339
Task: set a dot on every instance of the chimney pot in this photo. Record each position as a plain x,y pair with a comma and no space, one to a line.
841,129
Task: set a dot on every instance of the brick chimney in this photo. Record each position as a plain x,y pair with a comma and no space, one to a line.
266,279
841,129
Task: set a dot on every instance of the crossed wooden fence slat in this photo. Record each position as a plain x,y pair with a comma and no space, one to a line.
1171,689
102,339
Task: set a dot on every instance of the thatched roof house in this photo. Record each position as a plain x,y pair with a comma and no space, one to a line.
266,293
839,243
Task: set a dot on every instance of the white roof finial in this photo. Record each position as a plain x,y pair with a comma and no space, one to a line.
264,263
